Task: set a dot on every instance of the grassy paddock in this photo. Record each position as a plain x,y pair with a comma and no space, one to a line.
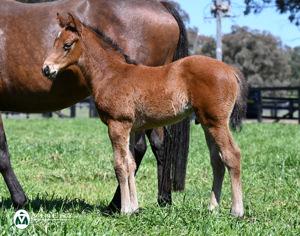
66,169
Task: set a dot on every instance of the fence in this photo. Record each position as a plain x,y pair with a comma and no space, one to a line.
87,105
263,103
284,106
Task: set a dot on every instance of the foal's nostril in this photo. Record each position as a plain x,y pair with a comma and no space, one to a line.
46,71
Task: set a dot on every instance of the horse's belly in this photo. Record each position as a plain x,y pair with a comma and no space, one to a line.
161,114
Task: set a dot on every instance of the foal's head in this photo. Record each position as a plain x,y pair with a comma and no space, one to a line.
67,48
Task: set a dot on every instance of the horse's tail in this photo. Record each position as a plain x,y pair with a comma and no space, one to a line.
176,139
240,106
182,49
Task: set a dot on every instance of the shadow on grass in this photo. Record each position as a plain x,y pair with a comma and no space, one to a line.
53,203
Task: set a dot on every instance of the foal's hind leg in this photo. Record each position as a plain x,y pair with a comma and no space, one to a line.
6,170
218,171
231,157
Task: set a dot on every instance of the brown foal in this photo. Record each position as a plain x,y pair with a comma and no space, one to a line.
132,97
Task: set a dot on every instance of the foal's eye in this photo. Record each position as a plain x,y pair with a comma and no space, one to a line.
67,46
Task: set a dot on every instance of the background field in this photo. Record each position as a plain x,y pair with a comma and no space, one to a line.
66,169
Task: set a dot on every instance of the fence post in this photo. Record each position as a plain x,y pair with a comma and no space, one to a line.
73,111
299,105
47,115
259,106
291,108
93,111
91,104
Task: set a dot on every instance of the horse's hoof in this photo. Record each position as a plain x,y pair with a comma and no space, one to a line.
19,201
112,208
165,200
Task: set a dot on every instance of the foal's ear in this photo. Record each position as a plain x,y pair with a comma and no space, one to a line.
61,20
74,23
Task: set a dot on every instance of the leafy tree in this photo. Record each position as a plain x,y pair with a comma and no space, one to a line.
295,66
283,6
200,44
259,55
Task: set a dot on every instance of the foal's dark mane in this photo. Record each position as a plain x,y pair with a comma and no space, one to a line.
113,45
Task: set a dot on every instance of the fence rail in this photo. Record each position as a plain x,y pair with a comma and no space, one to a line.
280,107
71,112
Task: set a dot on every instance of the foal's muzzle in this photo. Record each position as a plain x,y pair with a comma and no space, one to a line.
47,72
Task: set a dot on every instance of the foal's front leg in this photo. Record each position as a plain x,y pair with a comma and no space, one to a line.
124,164
139,152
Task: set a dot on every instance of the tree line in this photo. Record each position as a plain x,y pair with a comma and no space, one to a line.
261,56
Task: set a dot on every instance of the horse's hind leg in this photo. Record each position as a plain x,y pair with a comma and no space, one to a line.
7,172
156,139
231,157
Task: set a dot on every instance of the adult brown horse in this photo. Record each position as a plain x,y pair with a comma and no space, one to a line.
144,29
132,97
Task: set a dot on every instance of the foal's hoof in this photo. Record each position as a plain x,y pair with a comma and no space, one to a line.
213,210
131,213
238,214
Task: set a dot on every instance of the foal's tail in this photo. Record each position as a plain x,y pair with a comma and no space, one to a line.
240,106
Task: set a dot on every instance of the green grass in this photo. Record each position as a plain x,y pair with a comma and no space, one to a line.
65,167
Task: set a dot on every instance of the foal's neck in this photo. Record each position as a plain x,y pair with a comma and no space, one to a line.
101,60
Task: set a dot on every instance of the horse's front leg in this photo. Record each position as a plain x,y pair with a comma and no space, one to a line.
124,164
15,189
